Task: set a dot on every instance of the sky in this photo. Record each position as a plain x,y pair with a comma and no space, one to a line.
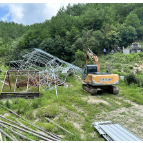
29,13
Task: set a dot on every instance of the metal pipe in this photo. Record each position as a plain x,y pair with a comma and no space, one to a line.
30,129
53,135
13,137
59,126
16,133
7,135
38,135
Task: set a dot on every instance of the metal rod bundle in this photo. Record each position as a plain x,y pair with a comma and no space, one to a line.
46,136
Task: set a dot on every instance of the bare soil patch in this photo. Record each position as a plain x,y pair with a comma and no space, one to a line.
6,114
95,100
130,118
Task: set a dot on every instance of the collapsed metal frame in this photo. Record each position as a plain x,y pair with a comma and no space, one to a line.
24,93
48,65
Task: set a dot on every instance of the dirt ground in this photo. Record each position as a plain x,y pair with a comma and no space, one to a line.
130,118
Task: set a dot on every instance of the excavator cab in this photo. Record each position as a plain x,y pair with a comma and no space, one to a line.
89,69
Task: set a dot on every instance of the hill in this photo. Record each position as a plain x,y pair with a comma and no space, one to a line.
93,25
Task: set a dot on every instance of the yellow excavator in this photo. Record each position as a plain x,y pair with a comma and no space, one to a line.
94,79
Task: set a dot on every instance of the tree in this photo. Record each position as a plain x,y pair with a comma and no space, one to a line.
47,45
132,20
127,33
80,58
4,48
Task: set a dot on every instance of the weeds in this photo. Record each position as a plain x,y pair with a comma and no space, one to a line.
62,111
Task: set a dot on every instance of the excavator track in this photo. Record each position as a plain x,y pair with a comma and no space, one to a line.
115,90
90,89
93,89
111,89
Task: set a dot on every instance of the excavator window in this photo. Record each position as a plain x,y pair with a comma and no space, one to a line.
92,69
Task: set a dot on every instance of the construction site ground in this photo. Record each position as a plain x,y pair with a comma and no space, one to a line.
76,110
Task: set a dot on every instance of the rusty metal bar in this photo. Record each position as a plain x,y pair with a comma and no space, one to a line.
22,70
9,81
19,92
27,82
39,85
3,85
16,81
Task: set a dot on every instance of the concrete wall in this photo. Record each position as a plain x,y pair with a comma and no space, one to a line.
126,51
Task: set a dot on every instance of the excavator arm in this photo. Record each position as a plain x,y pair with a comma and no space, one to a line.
94,58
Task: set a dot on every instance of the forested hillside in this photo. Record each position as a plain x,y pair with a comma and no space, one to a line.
74,28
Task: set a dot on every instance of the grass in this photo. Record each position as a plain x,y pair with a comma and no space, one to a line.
71,109
62,111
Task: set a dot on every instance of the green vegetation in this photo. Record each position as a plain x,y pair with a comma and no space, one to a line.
73,29
70,33
72,106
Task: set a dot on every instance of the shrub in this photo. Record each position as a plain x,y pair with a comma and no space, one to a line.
117,72
117,65
130,66
109,57
131,78
129,57
122,60
127,70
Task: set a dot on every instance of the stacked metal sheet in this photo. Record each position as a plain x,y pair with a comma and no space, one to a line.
114,132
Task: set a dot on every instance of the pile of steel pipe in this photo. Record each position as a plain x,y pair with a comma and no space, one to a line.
15,127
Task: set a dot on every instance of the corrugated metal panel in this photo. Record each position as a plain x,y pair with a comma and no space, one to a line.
115,132
112,133
128,133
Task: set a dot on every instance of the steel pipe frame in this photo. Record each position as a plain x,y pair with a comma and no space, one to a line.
30,61
39,50
24,93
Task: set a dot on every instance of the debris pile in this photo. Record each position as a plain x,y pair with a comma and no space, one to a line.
50,68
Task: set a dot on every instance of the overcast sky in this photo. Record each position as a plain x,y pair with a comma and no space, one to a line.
29,13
